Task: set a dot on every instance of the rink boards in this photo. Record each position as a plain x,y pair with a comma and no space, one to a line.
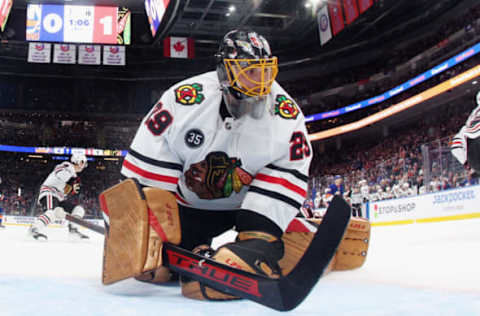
453,204
16,220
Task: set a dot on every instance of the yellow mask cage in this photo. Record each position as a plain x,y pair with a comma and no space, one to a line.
252,77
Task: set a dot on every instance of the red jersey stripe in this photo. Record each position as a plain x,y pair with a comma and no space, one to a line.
298,227
285,183
179,198
149,175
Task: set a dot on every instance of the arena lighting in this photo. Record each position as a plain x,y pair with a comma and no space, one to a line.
35,156
111,159
447,64
399,107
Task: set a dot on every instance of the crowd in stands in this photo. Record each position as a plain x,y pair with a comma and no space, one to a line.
381,168
395,165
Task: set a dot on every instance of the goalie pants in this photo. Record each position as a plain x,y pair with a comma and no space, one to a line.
199,227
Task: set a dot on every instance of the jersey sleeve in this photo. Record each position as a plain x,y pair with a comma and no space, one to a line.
150,158
64,172
458,146
280,188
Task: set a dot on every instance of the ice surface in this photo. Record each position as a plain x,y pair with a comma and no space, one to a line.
420,269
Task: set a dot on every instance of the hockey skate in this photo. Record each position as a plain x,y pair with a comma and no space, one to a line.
36,234
75,232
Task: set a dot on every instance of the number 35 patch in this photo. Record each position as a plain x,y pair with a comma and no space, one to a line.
299,148
194,138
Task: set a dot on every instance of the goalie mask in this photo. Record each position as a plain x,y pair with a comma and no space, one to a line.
246,70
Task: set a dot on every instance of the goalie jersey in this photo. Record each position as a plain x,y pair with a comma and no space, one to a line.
57,180
190,145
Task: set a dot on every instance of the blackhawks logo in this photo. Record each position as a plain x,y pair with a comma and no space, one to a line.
189,94
216,177
285,107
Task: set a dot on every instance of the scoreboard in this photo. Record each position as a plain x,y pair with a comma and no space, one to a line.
78,24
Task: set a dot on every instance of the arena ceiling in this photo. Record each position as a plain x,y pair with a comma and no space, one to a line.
289,25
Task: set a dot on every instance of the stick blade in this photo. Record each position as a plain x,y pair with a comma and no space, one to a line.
296,286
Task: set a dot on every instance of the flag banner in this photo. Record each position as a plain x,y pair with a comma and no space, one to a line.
114,55
351,10
324,25
39,52
64,53
89,54
336,16
5,7
363,5
178,47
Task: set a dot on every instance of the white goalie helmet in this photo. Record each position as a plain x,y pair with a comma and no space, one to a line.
79,159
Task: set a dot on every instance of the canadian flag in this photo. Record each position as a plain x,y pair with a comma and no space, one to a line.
178,47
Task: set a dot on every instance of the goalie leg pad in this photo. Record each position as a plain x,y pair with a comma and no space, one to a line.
255,252
158,276
138,221
352,251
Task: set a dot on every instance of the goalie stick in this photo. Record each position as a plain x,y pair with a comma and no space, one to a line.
282,294
61,214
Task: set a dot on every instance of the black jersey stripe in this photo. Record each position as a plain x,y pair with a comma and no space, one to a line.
158,163
293,172
276,196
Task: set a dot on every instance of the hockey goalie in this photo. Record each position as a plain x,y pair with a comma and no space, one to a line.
226,149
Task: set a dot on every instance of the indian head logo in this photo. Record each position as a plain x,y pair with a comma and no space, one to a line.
285,107
216,177
189,94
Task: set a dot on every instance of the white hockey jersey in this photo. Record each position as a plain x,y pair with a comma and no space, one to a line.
56,181
190,145
471,130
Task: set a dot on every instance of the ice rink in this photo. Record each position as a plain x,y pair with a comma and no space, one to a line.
419,269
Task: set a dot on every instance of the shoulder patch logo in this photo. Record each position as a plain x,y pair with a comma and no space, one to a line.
189,94
285,107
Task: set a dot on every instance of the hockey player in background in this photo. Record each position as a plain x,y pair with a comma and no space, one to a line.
356,201
465,145
232,146
61,183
